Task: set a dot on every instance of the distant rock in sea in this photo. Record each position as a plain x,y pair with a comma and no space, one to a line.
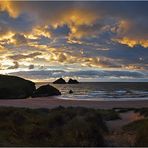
59,81
72,81
45,91
70,92
12,87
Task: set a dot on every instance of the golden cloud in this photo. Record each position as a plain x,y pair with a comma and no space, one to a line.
125,34
10,7
6,36
38,31
69,15
132,42
96,62
123,27
132,67
73,17
80,17
1,48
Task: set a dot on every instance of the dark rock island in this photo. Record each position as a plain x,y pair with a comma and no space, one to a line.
59,81
70,92
62,81
72,81
46,90
12,87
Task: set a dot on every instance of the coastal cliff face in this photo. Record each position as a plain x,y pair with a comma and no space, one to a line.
12,87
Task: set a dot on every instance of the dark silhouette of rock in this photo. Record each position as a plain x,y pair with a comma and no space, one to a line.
12,87
46,90
70,92
59,81
72,81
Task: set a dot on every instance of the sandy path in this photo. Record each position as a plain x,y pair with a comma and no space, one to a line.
126,118
117,136
50,102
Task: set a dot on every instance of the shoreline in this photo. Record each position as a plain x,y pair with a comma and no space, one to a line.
52,102
105,99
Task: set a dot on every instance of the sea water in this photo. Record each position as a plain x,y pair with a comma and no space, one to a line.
103,90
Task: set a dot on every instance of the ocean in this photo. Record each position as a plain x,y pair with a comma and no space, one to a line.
106,91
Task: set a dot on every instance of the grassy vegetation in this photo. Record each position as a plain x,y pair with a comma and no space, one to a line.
140,128
108,114
53,127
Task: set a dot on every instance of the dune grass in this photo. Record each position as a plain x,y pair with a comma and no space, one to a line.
53,127
140,128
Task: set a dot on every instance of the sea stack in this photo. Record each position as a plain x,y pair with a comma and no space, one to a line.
70,92
59,81
45,91
72,81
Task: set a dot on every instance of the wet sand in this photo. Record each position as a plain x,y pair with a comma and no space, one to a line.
51,102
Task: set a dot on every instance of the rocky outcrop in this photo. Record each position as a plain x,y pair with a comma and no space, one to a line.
59,81
62,81
46,90
12,87
70,92
72,81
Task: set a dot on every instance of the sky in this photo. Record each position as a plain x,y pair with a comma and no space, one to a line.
89,41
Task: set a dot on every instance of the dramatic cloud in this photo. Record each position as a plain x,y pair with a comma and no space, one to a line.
19,39
74,36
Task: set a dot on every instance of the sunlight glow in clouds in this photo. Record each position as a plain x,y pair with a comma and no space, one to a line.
43,37
9,7
132,42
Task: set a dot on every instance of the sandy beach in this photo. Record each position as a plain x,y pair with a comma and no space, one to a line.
51,102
